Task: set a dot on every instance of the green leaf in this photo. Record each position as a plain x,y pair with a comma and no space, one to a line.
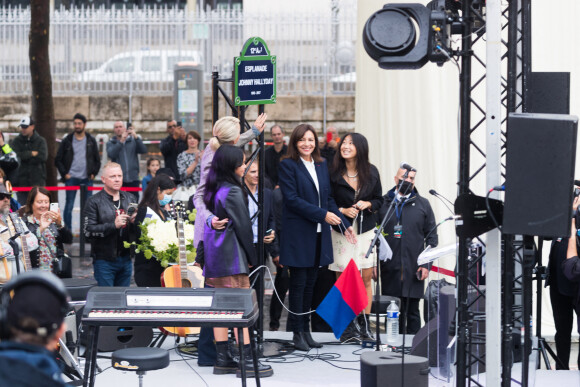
148,254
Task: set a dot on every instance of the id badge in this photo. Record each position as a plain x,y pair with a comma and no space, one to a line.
398,231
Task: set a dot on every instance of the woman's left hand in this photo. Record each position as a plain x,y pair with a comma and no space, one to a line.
45,221
362,205
350,236
260,122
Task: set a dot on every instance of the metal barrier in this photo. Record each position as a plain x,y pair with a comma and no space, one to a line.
132,51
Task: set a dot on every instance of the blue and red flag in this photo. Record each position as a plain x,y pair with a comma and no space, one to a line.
346,299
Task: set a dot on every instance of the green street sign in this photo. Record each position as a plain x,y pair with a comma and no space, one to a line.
255,74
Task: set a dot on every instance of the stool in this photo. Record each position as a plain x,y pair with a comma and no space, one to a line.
140,359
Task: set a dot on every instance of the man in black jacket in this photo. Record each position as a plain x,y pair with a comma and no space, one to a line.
172,146
411,222
32,151
78,162
274,154
106,227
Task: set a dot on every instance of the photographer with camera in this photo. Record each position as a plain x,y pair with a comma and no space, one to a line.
571,266
563,292
44,220
106,227
124,148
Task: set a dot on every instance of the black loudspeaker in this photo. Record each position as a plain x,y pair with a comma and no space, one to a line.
114,338
432,339
541,154
384,369
425,341
548,93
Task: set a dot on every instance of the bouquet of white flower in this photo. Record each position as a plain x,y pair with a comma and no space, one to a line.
159,240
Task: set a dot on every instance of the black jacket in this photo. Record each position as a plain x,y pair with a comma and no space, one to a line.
272,162
64,156
269,222
557,278
417,220
147,271
231,250
171,148
571,269
32,169
344,197
106,240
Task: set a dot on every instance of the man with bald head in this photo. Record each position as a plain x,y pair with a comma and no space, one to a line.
411,222
124,148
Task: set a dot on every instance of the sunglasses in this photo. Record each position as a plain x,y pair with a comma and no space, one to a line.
24,126
4,196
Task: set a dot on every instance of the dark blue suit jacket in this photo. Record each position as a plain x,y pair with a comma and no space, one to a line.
302,213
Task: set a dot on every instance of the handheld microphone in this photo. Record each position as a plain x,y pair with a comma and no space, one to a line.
406,166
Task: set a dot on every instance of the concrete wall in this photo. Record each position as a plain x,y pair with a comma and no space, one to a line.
150,114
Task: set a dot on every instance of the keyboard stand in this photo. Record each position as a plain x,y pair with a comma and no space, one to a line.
93,339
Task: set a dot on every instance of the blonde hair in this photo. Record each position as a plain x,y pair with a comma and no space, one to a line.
110,165
225,131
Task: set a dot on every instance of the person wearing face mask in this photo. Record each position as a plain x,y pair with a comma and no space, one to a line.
412,221
155,198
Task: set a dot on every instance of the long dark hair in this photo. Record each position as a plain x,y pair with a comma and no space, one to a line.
32,197
363,166
150,199
296,135
223,170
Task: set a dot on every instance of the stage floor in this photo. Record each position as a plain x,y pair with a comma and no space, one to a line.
333,365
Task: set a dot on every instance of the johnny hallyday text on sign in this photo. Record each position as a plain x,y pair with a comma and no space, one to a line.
256,81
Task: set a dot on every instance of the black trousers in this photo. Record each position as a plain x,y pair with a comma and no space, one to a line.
563,312
412,318
302,281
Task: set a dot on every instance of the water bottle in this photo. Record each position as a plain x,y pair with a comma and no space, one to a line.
393,324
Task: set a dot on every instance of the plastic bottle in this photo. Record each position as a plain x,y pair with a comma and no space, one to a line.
393,324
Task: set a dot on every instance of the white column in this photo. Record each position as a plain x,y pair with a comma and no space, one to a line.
493,178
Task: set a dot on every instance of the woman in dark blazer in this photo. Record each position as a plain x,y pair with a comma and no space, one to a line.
229,252
309,211
356,187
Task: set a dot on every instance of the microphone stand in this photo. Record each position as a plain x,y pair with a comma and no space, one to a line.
375,242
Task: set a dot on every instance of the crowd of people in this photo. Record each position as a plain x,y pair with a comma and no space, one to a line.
320,212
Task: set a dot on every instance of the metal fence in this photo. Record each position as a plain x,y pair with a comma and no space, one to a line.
132,51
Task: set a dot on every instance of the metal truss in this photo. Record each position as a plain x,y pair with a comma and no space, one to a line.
518,252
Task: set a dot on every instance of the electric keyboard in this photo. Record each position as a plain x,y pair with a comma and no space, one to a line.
110,306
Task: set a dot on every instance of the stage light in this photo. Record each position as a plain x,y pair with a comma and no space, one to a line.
406,36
